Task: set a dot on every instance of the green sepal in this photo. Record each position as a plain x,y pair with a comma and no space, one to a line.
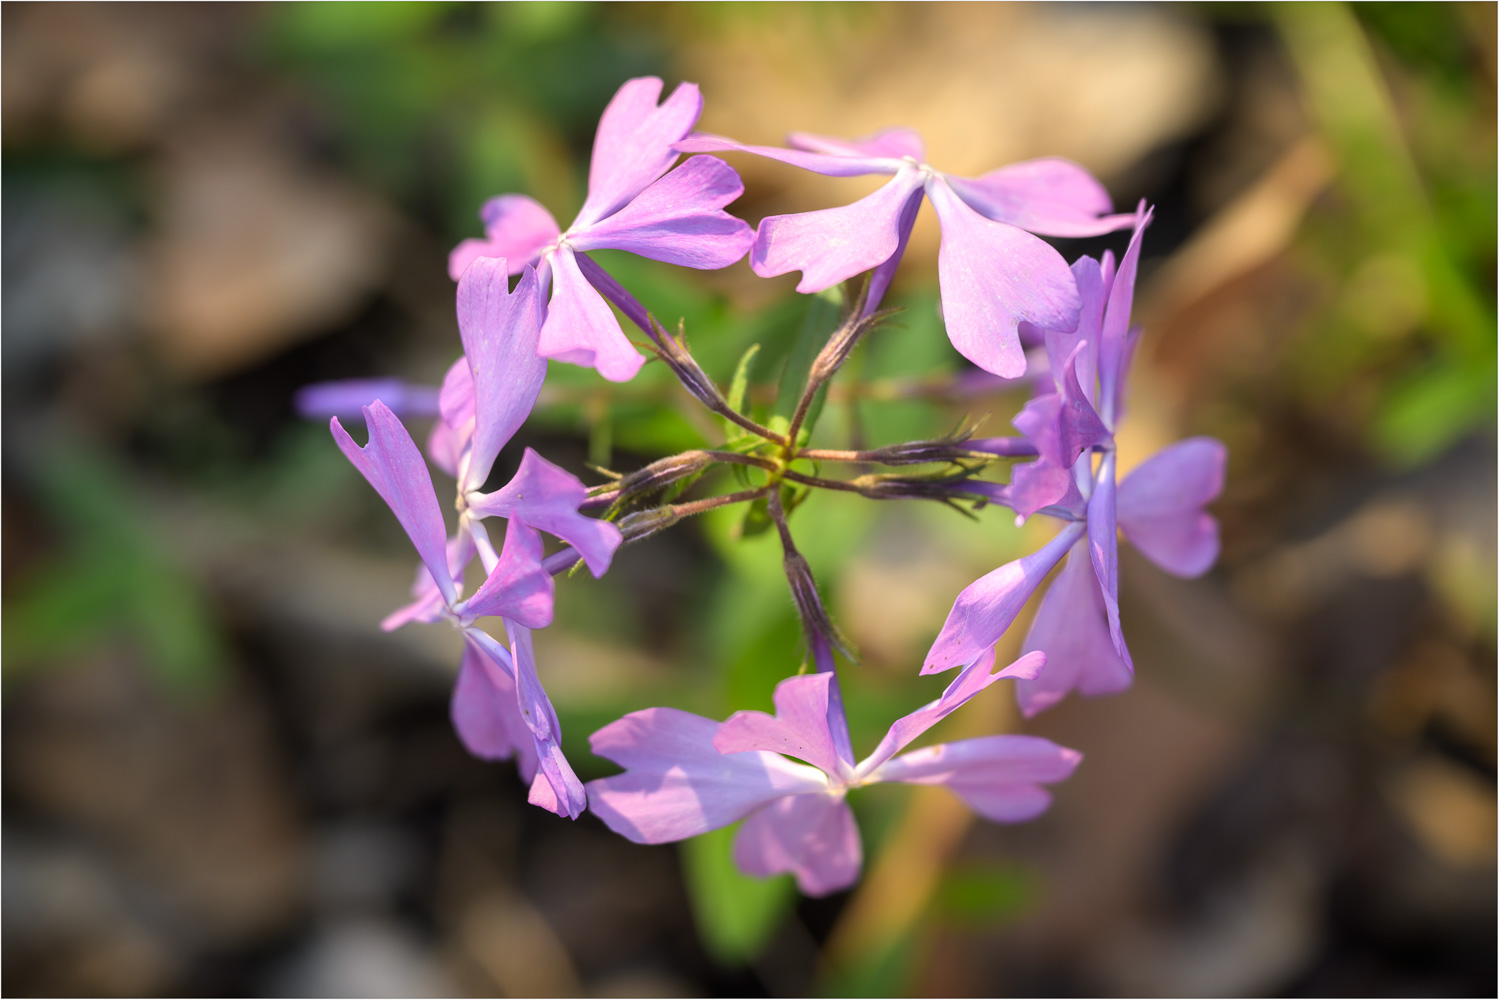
756,519
738,390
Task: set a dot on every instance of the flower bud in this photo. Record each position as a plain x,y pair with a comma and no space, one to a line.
685,367
662,473
645,523
955,449
816,623
843,341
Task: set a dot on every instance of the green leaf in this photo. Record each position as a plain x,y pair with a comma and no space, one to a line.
756,519
738,388
740,385
792,497
736,915
818,323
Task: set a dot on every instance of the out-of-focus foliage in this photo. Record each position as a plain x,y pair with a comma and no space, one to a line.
1417,302
118,578
454,103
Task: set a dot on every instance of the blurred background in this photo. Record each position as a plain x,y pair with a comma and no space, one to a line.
221,778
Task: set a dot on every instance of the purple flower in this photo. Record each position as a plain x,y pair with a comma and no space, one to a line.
685,775
517,589
1159,507
499,706
677,218
994,274
1160,510
485,397
1088,366
1065,427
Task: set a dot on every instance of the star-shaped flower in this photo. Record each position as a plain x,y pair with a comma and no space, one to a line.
677,218
1159,506
994,274
687,775
499,705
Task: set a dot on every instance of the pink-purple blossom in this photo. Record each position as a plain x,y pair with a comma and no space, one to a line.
517,588
529,291
499,705
487,394
685,775
994,273
633,204
1159,507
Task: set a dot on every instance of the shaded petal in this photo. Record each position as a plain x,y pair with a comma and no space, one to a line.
813,837
516,228
679,219
546,496
427,605
1051,196
834,244
613,292
819,163
998,776
1114,344
456,398
1080,427
1062,426
798,729
1001,803
567,795
518,588
1035,486
454,431
993,276
394,467
633,145
967,684
1072,628
444,448
427,608
1161,500
581,329
1073,506
1040,420
1093,293
890,143
1045,481
1103,547
520,220
677,785
500,331
881,276
987,607
486,716
347,398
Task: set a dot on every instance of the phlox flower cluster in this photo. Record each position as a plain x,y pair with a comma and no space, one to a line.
528,291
